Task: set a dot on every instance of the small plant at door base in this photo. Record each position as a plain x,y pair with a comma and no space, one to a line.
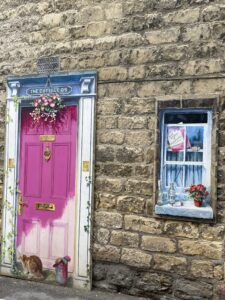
46,107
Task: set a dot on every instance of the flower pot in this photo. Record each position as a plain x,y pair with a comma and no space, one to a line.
197,203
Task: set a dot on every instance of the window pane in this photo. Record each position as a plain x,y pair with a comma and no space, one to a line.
186,118
174,173
193,175
174,156
194,143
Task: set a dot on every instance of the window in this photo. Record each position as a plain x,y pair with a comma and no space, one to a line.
185,160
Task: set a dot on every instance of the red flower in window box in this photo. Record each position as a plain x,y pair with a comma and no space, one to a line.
198,193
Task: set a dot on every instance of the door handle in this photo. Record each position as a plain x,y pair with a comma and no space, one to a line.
20,203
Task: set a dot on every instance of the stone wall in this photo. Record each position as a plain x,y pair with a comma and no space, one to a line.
143,50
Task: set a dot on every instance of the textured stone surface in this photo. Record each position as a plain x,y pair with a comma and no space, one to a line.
200,268
170,263
193,290
207,249
142,50
108,219
158,244
124,238
136,258
140,224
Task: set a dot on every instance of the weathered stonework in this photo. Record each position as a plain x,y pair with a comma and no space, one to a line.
143,51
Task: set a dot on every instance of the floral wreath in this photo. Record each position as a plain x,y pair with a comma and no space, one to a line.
46,107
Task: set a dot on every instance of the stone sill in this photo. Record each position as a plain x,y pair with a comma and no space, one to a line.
188,210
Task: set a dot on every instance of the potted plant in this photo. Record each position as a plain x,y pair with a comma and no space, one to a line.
198,193
46,107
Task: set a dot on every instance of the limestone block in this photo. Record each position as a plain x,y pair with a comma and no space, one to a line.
114,11
124,238
136,72
149,282
139,187
178,229
212,233
108,219
150,154
167,4
218,272
162,36
139,106
109,106
183,16
158,244
83,44
113,73
105,201
52,20
201,268
141,224
130,155
111,137
213,13
103,236
136,122
105,43
196,33
174,53
166,69
144,171
130,39
109,184
116,170
97,29
121,89
90,14
106,253
107,122
131,204
189,289
201,67
136,258
144,55
169,263
138,138
207,249
104,153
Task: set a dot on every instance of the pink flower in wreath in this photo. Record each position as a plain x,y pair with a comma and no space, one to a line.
52,104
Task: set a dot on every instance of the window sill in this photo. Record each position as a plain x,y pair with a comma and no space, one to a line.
187,210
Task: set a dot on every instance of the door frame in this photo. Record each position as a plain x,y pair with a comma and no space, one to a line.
82,87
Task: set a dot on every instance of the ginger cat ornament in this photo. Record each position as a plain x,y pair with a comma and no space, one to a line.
32,266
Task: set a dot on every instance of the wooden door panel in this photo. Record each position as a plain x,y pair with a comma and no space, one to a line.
33,169
60,170
31,237
58,239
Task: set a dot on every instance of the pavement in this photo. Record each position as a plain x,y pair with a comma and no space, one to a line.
17,289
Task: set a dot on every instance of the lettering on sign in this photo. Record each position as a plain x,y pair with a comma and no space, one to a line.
61,90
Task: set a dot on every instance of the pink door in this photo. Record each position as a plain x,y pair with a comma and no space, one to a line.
46,218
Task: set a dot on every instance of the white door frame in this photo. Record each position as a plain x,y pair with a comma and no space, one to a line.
84,89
